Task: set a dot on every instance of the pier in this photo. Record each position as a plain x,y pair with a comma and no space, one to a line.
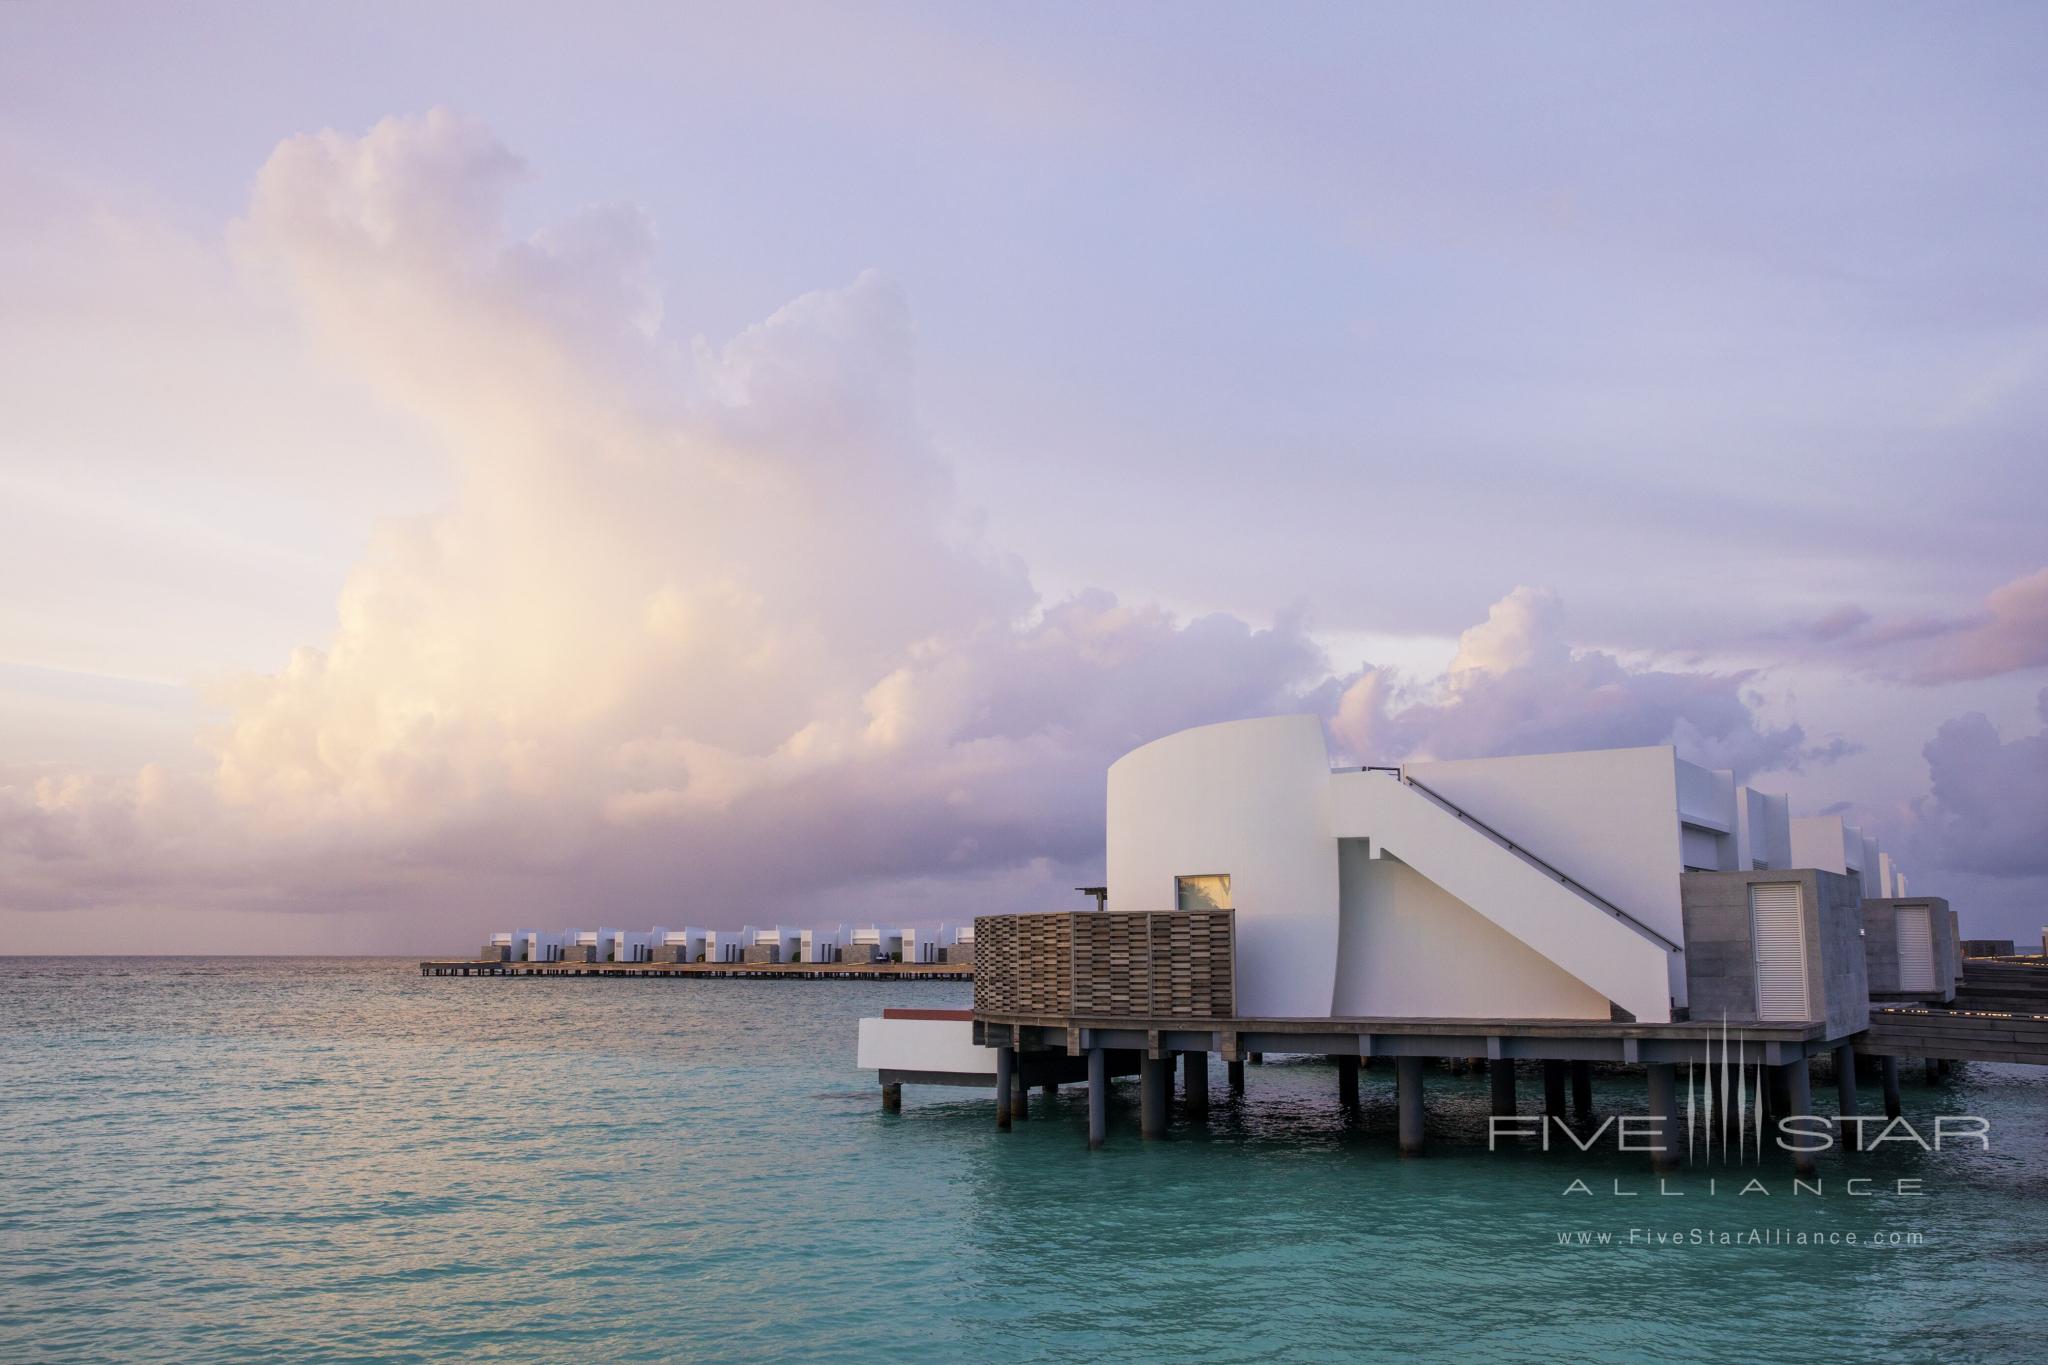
1095,997
773,971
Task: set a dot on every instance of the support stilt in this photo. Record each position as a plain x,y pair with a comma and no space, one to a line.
1850,1135
1347,1082
1236,1070
1501,1071
1006,1065
1582,1091
1195,1083
1098,1098
1553,1089
1152,1085
892,1099
1663,1085
1020,1103
1799,1102
1408,1083
1892,1106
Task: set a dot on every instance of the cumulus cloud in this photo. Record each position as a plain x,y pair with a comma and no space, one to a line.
704,631
1516,685
1988,809
703,616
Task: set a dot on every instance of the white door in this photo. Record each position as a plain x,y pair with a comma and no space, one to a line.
1779,934
1916,949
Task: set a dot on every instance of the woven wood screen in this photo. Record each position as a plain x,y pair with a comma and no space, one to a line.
1106,964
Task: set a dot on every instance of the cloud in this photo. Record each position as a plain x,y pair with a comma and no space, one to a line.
703,622
1517,686
2009,634
1833,625
1988,809
704,630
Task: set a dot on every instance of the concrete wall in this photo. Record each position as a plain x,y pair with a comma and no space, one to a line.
1607,818
1881,946
1720,948
1247,798
1763,830
1485,873
1823,841
1409,949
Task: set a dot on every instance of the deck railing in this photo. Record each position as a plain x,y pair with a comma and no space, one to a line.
1177,964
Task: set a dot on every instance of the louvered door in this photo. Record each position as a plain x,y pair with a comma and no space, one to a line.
1916,948
1780,937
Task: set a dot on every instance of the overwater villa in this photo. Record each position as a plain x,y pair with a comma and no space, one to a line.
1616,905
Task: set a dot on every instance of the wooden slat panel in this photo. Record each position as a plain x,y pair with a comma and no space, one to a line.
1107,964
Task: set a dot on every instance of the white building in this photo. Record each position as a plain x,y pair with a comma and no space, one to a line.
1537,887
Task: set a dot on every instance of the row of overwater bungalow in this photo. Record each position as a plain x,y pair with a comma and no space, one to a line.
848,944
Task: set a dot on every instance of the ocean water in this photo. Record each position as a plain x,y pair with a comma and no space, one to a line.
249,1159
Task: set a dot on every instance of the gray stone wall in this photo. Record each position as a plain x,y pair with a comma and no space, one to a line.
1881,946
957,954
672,952
1720,950
762,952
1843,969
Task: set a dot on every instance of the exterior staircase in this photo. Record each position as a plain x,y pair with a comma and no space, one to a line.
1586,935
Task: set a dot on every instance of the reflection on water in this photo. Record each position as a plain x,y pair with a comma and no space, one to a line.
338,1159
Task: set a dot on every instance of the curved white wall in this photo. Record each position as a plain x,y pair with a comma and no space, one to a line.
1249,798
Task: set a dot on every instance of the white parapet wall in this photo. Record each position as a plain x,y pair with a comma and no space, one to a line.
936,1046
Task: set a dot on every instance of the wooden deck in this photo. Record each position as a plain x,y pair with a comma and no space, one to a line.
775,971
1956,1035
2000,1014
1587,1040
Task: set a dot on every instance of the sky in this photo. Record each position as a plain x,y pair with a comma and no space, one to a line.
476,465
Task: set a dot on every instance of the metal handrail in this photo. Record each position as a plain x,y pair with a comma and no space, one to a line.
1570,883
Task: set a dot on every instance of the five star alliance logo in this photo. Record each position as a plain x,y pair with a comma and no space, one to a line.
1727,1115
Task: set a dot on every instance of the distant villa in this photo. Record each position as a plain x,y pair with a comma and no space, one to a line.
951,945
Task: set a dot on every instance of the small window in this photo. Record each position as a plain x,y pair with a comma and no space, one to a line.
1208,892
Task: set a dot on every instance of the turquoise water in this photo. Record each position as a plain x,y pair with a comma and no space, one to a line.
233,1159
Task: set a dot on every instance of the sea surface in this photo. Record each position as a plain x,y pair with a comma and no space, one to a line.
337,1159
